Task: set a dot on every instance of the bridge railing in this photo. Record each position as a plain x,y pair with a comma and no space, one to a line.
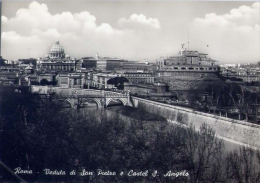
111,94
75,91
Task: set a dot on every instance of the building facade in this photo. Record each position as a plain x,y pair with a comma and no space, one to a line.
70,80
56,60
183,71
101,63
156,90
139,77
99,80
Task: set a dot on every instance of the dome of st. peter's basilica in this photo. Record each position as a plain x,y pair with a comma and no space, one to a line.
57,51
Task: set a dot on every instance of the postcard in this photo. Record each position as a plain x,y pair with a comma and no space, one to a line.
129,91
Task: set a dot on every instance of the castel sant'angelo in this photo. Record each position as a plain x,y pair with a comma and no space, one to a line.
185,71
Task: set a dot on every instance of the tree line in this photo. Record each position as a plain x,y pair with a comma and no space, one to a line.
39,134
225,98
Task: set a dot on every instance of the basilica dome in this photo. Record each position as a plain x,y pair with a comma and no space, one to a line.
57,51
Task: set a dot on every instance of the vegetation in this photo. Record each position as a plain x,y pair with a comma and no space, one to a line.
223,98
39,134
46,82
118,82
2,61
135,113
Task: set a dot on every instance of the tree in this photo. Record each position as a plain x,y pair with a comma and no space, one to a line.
35,83
222,96
16,107
31,139
243,165
203,154
2,61
44,82
118,82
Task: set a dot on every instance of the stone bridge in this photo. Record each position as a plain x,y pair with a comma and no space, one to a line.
76,97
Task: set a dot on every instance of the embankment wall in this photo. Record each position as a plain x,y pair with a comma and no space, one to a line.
236,131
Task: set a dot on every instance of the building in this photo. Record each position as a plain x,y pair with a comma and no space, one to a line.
9,69
140,88
28,70
7,77
133,65
99,80
50,77
122,71
30,61
89,62
56,60
156,90
245,74
70,80
101,63
114,64
190,58
182,71
139,77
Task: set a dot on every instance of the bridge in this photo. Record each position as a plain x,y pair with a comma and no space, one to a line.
235,131
77,97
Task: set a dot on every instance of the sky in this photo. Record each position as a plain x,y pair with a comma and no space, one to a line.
228,31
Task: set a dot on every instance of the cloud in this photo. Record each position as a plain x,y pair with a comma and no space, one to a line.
38,17
36,29
139,20
4,19
232,37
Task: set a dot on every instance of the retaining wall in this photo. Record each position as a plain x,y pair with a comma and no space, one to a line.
236,131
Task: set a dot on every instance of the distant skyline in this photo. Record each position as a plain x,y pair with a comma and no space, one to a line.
134,30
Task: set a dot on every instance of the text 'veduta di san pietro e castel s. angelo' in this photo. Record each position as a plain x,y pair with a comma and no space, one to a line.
100,172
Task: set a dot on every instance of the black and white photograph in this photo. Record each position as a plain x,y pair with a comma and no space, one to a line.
129,91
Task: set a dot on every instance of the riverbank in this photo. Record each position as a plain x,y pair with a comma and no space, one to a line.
136,113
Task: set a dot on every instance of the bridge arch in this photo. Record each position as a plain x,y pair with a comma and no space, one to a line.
122,100
97,101
74,102
70,102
